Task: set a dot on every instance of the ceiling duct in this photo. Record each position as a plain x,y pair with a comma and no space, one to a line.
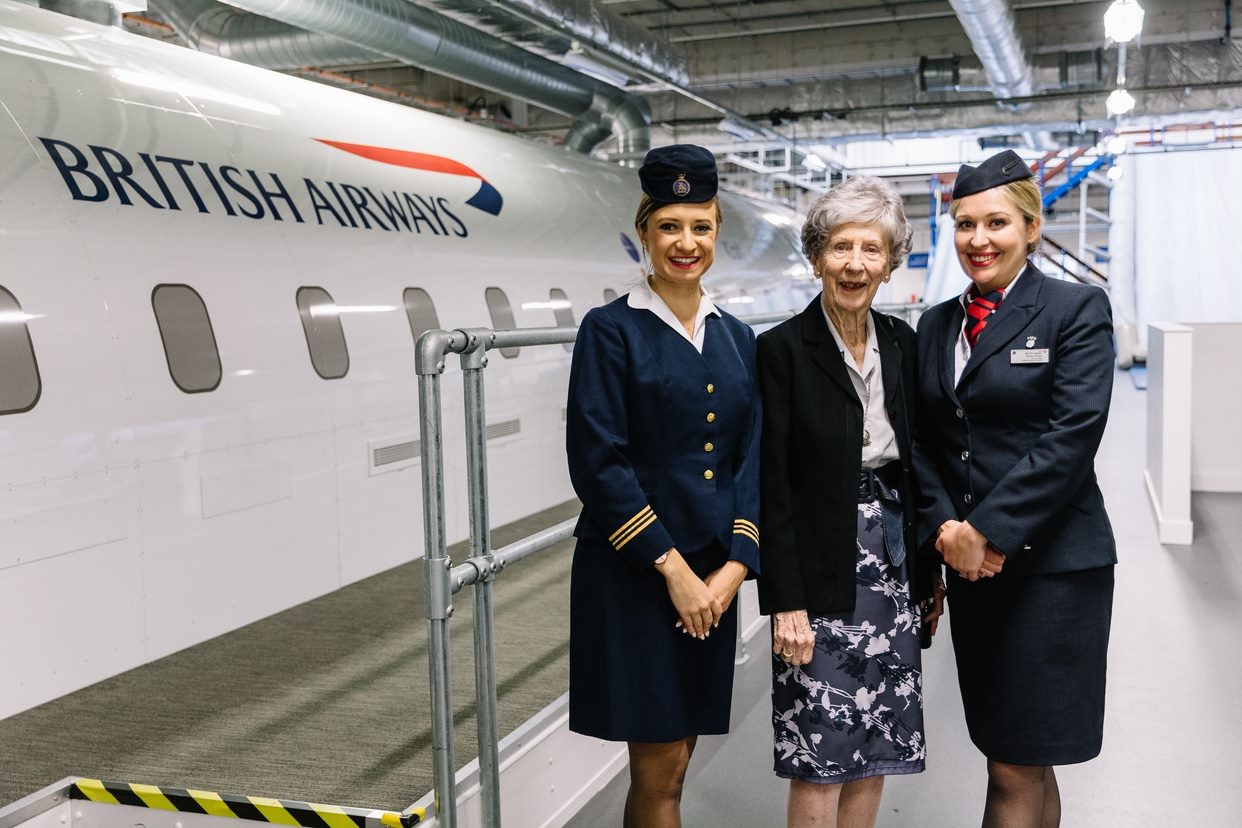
217,29
419,37
994,37
577,26
989,25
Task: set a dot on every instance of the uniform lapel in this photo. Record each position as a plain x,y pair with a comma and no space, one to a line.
948,348
1012,316
823,348
890,364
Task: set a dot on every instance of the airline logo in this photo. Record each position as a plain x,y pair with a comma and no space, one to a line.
486,199
165,182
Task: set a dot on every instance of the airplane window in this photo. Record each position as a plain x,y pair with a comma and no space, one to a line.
564,312
421,312
610,295
189,341
20,385
502,317
321,321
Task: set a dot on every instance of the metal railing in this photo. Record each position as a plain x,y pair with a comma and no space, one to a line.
443,580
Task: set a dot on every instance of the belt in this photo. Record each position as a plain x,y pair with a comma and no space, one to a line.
874,484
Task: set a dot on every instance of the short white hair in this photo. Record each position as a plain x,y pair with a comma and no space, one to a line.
862,200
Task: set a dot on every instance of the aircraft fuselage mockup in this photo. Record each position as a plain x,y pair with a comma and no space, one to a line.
211,281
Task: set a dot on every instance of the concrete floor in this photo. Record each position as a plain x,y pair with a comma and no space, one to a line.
1173,715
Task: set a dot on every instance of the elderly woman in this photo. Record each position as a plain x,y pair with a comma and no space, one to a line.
663,441
847,595
1015,378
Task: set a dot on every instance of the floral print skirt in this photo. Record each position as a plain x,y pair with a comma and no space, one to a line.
857,709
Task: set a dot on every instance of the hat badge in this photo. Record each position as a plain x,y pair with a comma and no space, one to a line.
681,187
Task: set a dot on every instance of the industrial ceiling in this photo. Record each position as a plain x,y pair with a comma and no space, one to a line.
759,72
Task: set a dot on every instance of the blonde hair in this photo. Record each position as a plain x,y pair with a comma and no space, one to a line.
1024,197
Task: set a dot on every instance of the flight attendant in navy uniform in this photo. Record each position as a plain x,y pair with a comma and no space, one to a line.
662,435
1015,378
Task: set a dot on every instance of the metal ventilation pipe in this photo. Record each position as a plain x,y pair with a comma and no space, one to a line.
96,11
417,36
994,37
590,23
217,29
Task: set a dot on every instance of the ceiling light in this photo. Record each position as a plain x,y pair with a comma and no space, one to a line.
1119,102
1123,21
1116,145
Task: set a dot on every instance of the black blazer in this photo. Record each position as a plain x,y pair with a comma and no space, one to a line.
811,452
1012,445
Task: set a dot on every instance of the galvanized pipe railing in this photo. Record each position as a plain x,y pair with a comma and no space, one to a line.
429,364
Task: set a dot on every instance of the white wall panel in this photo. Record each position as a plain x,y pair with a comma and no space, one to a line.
69,621
1216,442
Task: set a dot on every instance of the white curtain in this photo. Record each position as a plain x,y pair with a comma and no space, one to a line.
1175,255
945,277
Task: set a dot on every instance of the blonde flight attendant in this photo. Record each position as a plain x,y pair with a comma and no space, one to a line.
663,441
1015,377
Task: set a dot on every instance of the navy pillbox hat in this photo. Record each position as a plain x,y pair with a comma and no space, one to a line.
1001,168
679,173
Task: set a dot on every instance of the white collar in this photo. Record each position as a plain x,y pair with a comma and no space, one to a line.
643,297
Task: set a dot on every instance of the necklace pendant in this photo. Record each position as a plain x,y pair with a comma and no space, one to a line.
866,437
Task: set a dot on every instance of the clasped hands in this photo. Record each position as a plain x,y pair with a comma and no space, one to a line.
700,602
967,551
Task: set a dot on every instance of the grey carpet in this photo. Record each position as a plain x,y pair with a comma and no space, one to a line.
325,702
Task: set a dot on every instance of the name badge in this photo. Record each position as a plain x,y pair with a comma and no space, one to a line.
1027,357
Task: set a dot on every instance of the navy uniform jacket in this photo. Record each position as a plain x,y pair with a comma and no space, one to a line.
812,453
663,442
1012,446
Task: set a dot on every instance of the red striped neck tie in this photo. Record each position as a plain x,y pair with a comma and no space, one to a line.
977,312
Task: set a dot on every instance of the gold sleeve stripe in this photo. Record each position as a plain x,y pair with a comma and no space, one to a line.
633,533
747,534
626,526
745,527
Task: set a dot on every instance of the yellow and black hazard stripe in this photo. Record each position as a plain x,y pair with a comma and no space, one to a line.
746,528
632,528
256,808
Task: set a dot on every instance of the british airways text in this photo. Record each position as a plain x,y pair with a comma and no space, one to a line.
165,182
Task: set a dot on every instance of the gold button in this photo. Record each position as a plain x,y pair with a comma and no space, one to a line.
709,474
711,416
708,447
711,389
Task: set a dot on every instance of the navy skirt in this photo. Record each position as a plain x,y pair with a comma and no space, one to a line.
1031,654
634,676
